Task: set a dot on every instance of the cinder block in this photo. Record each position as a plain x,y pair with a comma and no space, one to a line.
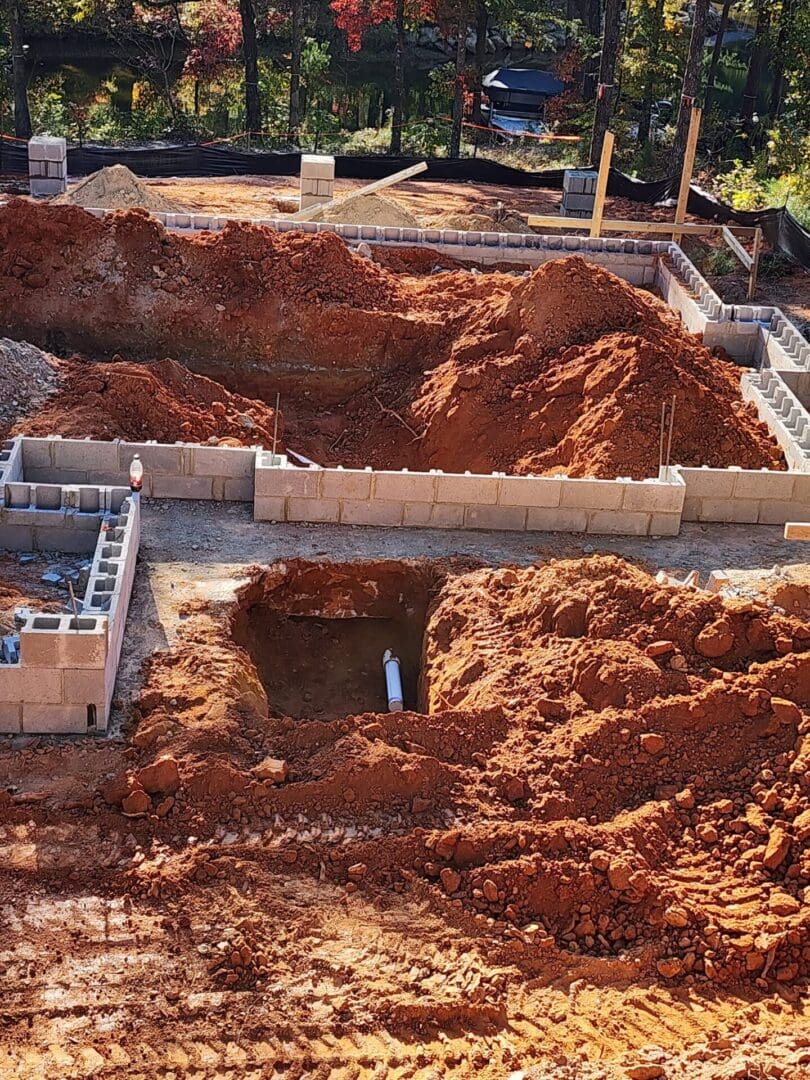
56,170
223,461
321,166
665,524
40,188
592,494
618,523
749,484
308,185
411,487
84,686
10,718
550,519
654,497
77,541
47,148
325,188
530,491
779,513
156,458
313,509
495,517
370,512
801,487
306,201
471,490
434,515
85,455
182,487
16,538
54,719
60,646
744,511
269,508
573,201
302,483
709,483
346,484
240,490
39,685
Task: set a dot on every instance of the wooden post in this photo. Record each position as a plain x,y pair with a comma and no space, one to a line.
752,277
602,183
686,172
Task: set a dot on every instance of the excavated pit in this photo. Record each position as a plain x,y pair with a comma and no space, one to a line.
317,633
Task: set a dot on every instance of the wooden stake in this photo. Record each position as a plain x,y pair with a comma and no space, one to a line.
686,173
752,278
602,183
275,425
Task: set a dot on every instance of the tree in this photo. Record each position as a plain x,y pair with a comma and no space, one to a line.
250,57
454,149
297,41
691,83
356,17
716,51
481,26
215,35
606,93
757,61
20,71
652,25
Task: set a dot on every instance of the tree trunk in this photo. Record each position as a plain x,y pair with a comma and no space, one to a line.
458,96
606,96
716,51
481,24
250,53
295,67
398,114
592,22
691,84
756,63
19,74
778,88
657,15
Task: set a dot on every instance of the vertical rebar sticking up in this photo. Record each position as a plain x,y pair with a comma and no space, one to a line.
74,604
661,438
275,425
671,427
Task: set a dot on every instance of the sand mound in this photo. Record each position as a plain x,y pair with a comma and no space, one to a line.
162,401
116,188
480,219
369,210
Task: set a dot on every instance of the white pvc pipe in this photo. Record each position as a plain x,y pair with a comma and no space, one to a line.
393,681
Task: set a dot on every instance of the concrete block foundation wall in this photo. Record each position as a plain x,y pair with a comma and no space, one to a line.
750,496
64,680
783,412
455,501
317,183
171,471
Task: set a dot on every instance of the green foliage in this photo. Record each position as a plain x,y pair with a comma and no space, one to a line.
719,262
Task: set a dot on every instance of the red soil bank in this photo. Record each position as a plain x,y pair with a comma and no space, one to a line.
162,401
563,370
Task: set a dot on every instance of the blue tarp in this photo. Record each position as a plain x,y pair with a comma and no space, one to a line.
524,80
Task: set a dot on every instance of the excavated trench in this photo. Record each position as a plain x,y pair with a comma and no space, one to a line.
316,634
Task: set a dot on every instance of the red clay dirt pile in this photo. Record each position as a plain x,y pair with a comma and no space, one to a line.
563,370
162,401
601,778
587,838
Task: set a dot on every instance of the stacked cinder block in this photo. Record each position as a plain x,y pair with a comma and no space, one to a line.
47,165
171,471
64,678
579,192
783,412
465,501
745,496
317,179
